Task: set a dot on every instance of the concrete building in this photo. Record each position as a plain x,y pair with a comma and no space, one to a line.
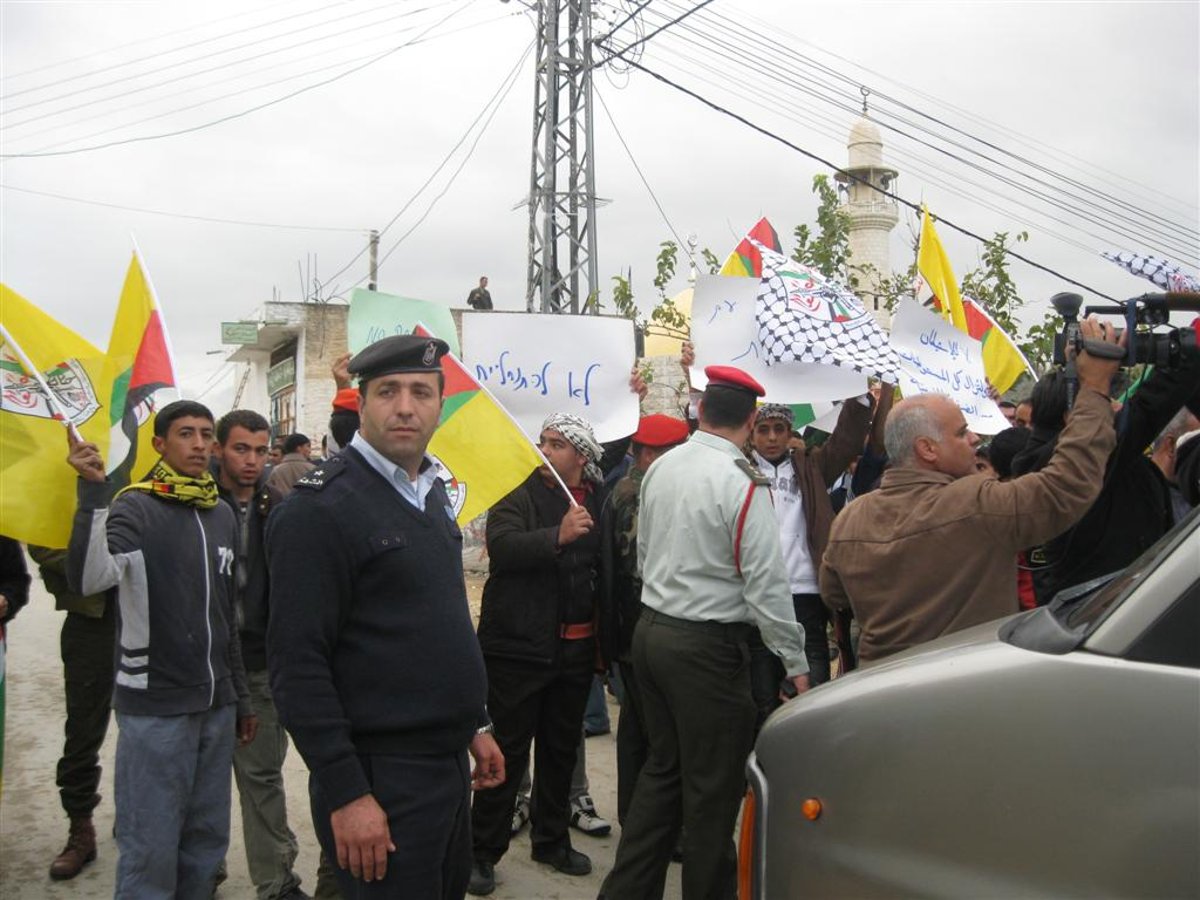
872,215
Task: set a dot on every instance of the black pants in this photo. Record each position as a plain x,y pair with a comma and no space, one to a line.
87,646
528,701
633,745
427,801
694,679
767,669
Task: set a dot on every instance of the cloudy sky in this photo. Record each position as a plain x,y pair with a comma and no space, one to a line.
1091,111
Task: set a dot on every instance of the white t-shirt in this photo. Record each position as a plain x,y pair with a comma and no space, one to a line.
793,529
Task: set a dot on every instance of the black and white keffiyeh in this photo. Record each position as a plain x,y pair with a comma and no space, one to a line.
578,431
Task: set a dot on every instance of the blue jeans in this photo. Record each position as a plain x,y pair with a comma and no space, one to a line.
172,786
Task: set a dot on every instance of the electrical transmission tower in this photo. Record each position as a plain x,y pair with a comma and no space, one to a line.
562,184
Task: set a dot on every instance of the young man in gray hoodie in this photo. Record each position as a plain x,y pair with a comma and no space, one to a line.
167,544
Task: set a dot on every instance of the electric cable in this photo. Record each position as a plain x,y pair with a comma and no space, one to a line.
174,215
243,113
851,176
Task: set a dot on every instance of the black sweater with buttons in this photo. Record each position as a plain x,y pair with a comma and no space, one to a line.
370,644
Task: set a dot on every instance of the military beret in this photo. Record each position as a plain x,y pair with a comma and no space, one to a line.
660,431
399,353
733,377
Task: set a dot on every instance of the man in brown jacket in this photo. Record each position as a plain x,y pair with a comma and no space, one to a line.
933,550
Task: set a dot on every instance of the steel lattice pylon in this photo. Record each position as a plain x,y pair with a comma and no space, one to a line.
562,184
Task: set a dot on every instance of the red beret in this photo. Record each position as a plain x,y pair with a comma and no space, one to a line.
732,377
346,398
660,431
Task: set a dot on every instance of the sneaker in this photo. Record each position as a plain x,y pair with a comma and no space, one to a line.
584,818
565,860
520,815
483,879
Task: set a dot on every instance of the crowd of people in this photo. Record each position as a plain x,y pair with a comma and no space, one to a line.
709,568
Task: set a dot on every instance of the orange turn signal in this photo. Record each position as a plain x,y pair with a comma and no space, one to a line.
811,808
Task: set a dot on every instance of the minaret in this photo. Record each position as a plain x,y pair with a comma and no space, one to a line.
872,215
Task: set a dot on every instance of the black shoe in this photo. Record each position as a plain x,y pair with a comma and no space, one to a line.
483,879
565,860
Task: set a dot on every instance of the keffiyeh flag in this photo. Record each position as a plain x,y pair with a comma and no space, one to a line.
1164,273
804,317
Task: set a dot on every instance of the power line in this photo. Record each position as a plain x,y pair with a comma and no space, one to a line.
849,175
247,90
215,68
160,54
142,40
445,160
662,212
659,30
174,215
724,46
243,113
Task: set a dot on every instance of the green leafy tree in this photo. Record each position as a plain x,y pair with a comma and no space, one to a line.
828,248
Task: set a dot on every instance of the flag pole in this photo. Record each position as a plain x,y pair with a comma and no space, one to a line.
504,409
52,400
166,333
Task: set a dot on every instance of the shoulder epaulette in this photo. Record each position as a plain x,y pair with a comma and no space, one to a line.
753,473
316,479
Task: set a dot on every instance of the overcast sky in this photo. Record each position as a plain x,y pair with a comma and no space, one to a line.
1105,94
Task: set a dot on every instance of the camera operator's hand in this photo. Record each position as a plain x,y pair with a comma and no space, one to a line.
1094,372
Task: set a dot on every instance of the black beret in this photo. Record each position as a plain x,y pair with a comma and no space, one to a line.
399,353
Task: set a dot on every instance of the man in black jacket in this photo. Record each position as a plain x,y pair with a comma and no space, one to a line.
374,665
243,440
1134,507
537,632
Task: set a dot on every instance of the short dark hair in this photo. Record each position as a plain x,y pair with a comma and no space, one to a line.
724,407
240,418
1048,401
179,409
294,442
1004,448
342,425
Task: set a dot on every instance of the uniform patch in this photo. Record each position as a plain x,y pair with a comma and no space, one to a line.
753,473
322,474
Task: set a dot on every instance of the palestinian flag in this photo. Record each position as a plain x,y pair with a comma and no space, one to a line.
746,258
483,452
142,376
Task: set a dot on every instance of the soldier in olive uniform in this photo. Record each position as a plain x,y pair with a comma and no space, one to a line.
623,601
708,545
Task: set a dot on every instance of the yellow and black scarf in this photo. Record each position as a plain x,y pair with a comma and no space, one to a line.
167,484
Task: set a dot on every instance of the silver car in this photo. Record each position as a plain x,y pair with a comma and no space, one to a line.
1055,753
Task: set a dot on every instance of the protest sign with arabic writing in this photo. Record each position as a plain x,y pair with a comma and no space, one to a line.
726,333
937,358
537,364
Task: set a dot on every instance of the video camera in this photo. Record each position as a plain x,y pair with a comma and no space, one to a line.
1164,349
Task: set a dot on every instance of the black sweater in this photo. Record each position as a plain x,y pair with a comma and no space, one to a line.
369,643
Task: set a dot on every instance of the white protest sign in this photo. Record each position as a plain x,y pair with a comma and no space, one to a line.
937,358
725,333
537,364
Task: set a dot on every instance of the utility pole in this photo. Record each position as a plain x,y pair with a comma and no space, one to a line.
373,278
562,183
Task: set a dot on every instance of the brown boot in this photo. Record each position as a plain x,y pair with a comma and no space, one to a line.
80,850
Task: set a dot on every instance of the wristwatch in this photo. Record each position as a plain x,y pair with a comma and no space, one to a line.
489,728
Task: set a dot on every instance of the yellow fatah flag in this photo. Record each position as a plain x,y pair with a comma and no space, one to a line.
37,487
141,376
934,267
483,451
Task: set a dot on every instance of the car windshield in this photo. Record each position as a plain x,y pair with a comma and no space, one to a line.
1083,610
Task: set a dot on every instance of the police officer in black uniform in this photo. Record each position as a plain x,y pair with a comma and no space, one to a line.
374,663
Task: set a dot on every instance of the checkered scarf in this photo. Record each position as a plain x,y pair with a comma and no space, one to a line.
578,431
775,411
